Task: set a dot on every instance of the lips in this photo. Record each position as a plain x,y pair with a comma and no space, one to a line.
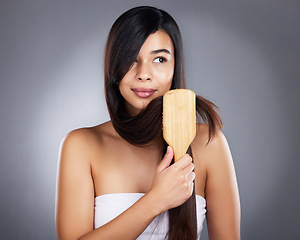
143,92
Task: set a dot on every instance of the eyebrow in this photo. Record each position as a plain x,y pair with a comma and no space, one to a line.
160,50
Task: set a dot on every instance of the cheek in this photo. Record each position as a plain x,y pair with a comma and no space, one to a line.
122,88
166,78
124,83
164,72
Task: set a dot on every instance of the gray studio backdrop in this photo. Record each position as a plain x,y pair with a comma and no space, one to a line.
242,55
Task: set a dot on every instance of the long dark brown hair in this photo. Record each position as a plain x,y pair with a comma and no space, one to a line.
125,39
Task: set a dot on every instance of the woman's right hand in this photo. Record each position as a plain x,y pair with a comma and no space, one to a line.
173,185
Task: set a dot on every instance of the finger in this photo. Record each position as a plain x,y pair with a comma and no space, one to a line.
191,177
183,162
188,169
191,187
165,162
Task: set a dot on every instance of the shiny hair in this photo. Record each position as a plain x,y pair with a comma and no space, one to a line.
126,37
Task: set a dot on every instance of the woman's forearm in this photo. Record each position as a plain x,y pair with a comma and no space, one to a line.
130,224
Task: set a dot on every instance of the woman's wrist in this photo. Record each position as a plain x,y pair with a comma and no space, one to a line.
154,203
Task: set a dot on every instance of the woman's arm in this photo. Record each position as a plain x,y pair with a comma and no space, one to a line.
75,194
221,190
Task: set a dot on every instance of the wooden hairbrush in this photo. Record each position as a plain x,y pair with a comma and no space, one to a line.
179,120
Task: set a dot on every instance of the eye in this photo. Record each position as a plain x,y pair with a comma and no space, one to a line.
160,60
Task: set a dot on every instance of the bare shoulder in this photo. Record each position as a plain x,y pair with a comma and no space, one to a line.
208,156
83,140
83,134
214,157
208,150
74,145
75,153
77,138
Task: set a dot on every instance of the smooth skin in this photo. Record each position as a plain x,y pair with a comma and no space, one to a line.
153,68
90,166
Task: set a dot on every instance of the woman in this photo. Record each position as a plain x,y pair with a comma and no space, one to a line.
117,180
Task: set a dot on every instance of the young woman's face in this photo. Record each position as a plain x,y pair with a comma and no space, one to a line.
152,73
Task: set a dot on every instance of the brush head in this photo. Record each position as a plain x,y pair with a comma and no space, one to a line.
179,120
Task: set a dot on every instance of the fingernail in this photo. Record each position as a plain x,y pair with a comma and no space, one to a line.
168,149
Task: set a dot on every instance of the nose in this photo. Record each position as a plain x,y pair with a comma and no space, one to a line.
144,72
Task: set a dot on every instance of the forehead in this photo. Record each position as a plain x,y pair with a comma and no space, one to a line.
157,40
